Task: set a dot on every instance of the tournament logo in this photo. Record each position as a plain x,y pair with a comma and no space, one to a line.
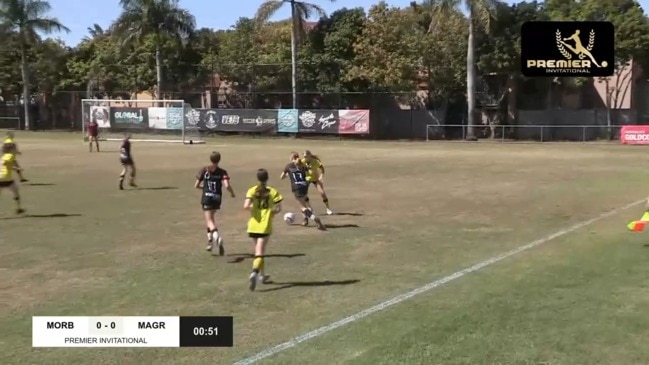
327,122
567,49
211,122
308,119
193,117
230,120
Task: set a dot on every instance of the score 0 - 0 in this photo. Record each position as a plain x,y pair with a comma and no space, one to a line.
105,326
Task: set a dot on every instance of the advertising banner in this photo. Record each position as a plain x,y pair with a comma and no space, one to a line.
101,115
241,120
634,134
157,118
129,118
318,121
287,120
174,118
354,122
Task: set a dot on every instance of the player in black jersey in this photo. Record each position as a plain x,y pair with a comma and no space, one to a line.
126,158
296,170
211,179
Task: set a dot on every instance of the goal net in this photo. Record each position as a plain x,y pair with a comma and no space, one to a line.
147,120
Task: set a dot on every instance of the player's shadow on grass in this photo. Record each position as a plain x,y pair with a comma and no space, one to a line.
157,188
241,257
39,184
55,215
295,284
350,214
336,226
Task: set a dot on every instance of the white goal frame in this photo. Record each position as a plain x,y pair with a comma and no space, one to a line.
185,138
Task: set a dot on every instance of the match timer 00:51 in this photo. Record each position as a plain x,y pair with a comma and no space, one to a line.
206,332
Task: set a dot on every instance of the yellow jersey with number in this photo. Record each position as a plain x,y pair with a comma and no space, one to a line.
313,166
7,168
261,214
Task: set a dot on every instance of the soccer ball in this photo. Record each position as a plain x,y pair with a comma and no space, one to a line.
289,218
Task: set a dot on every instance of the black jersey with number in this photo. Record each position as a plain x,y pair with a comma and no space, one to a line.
125,150
297,174
212,180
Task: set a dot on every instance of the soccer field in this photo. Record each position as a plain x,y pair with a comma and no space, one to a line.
410,214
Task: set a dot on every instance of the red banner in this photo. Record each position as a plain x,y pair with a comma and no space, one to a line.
634,134
354,121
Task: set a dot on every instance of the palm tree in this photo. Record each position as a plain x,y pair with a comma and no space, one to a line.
300,12
480,14
27,18
95,31
161,19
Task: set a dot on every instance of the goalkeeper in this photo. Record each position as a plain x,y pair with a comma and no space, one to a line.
10,147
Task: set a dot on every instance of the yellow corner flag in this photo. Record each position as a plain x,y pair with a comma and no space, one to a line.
636,226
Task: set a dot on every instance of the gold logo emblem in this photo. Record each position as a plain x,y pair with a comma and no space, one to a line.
578,49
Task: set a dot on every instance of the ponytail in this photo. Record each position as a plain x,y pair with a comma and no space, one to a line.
262,193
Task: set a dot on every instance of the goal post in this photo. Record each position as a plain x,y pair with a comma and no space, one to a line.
147,120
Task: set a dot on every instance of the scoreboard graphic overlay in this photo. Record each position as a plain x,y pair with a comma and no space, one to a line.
132,331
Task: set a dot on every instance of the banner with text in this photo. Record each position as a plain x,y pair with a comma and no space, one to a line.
634,134
129,118
175,118
287,120
238,120
318,121
354,122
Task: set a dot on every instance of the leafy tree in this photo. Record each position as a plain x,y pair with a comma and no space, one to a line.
300,12
480,13
388,53
329,52
631,40
10,66
27,18
157,21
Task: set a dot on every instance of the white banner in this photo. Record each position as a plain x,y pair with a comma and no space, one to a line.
158,118
101,115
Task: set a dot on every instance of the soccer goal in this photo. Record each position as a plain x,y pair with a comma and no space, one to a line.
169,121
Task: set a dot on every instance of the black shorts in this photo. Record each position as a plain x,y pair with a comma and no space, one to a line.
314,182
258,235
301,192
210,204
6,184
126,161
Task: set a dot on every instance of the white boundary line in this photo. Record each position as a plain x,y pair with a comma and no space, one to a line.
403,297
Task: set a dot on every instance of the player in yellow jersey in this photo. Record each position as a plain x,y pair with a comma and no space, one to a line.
263,202
10,147
7,180
315,176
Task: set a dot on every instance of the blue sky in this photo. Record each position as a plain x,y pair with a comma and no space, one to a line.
78,15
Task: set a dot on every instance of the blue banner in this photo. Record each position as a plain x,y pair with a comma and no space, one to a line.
287,121
175,118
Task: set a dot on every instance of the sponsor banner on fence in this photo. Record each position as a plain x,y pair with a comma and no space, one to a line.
129,118
175,118
239,120
634,134
318,121
193,118
287,120
101,115
157,118
354,122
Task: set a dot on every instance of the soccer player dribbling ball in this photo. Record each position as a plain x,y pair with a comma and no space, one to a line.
9,147
211,179
6,176
128,165
315,176
297,171
263,202
93,133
